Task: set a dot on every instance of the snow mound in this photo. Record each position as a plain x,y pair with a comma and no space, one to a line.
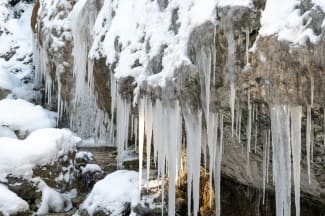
18,157
24,116
6,132
10,203
113,192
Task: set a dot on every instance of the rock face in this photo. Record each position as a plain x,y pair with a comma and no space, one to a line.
230,68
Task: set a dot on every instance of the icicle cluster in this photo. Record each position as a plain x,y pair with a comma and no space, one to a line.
286,140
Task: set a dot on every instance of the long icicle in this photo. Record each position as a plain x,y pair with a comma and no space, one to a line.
193,126
148,130
217,178
280,125
249,127
295,114
308,133
141,113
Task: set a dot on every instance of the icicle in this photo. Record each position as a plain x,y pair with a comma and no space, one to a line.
295,114
237,120
212,143
255,138
312,91
174,141
113,87
148,128
167,133
249,126
217,177
265,149
239,128
268,155
193,129
141,113
232,106
122,127
82,19
308,134
280,124
247,46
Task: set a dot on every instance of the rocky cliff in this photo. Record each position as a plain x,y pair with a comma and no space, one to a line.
239,85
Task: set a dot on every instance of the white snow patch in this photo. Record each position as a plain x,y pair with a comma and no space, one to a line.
224,3
18,157
53,200
113,192
91,168
320,3
139,24
10,203
84,154
7,132
281,18
24,116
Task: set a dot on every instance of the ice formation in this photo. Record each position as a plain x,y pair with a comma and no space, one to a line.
193,129
249,127
158,122
295,131
280,126
167,137
308,140
286,141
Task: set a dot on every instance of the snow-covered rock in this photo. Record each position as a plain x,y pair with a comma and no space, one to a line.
113,193
19,157
20,115
10,203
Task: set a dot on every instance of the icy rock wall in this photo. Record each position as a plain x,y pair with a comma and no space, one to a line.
152,72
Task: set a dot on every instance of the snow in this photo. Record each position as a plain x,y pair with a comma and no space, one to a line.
319,3
84,154
6,132
245,3
16,40
153,27
10,203
18,157
287,24
91,168
24,116
53,201
113,192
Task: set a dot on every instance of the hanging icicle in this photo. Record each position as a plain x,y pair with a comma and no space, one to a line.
249,126
122,127
193,127
308,139
217,177
295,115
280,126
